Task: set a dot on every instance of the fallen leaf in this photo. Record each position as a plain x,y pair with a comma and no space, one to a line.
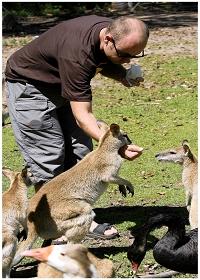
144,202
166,185
180,184
179,124
149,175
161,193
144,175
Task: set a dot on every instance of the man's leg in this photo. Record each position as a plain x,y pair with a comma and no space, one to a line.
37,131
77,143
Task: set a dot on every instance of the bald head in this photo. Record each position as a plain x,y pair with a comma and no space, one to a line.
125,26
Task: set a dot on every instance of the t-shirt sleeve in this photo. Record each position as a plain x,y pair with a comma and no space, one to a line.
75,80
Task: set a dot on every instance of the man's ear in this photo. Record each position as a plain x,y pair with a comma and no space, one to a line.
107,39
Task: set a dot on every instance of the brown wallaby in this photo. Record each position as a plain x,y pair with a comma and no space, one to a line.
183,156
58,261
63,206
14,215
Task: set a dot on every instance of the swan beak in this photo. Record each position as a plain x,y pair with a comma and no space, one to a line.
40,254
135,267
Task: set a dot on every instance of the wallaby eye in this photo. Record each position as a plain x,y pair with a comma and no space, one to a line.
62,254
172,153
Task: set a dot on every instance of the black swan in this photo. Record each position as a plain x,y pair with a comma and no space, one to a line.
176,250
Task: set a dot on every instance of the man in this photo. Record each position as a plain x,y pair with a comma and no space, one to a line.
49,94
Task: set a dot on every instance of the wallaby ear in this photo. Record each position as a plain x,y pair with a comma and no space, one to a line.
185,142
115,129
186,147
7,172
102,125
24,172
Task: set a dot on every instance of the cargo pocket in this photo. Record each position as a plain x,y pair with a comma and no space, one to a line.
33,114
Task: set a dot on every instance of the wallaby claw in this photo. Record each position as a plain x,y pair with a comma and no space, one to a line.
130,190
122,190
22,235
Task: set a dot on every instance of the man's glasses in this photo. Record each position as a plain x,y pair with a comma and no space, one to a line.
127,54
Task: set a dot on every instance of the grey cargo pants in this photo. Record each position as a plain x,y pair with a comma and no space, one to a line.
45,130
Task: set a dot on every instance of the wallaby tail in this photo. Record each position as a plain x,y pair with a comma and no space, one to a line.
25,245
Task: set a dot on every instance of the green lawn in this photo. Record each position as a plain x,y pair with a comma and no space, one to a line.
158,115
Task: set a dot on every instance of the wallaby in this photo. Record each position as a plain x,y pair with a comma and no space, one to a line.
57,258
14,215
183,156
5,113
63,206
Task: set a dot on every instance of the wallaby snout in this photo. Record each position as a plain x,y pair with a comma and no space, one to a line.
175,155
115,128
127,139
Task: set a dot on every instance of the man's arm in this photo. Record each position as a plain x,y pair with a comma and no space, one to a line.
85,119
113,71
118,72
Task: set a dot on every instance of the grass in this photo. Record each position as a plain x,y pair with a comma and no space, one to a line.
159,114
14,42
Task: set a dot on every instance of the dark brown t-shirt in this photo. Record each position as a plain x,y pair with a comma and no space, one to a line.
67,55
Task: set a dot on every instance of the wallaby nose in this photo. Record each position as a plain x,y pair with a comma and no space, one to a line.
157,155
127,139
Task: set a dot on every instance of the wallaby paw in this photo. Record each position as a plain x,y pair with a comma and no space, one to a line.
123,189
130,189
21,236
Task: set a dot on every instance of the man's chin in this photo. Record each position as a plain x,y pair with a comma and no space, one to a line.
117,62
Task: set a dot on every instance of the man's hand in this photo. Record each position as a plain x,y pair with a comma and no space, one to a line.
135,82
130,152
